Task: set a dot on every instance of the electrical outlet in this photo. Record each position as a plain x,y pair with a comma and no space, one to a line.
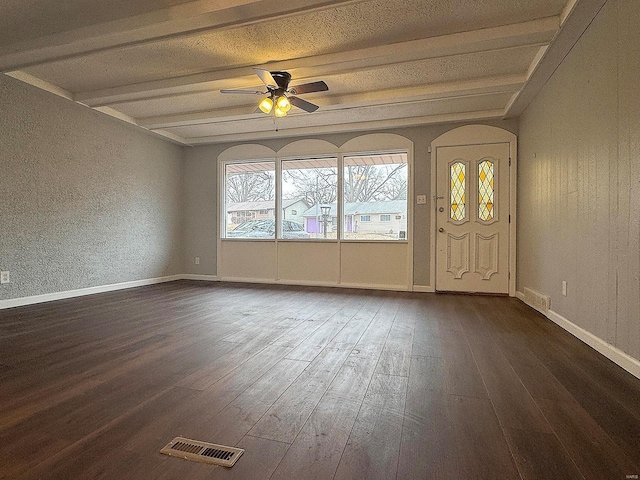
4,277
421,199
197,260
564,288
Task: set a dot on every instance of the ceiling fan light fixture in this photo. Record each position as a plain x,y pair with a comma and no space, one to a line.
277,84
283,104
266,105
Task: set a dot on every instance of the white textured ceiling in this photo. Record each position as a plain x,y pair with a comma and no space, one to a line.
161,63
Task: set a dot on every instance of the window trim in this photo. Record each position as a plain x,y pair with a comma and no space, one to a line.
227,157
222,195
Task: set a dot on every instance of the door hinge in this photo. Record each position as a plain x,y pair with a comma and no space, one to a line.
509,161
509,276
509,218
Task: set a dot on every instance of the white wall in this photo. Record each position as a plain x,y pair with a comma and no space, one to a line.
85,200
579,182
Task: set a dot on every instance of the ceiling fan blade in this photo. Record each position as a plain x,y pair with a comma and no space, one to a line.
309,88
246,92
303,104
266,77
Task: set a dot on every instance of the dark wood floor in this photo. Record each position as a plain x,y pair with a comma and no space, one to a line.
313,383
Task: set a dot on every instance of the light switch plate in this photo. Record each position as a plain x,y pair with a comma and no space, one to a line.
4,277
421,199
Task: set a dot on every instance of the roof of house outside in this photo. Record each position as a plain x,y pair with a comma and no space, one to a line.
362,208
264,205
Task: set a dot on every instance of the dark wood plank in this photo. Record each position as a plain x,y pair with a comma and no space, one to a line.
590,448
427,341
316,451
286,417
373,447
234,356
396,355
481,449
514,406
322,336
233,422
461,372
317,340
535,376
427,447
540,456
317,448
353,378
355,328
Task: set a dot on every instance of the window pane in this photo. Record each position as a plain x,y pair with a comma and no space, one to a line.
486,207
309,195
458,186
375,197
250,200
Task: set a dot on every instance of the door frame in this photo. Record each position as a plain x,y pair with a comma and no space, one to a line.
476,135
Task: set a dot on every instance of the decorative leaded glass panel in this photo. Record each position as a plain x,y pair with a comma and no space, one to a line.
458,187
486,207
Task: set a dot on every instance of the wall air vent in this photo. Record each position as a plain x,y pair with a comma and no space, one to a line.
537,300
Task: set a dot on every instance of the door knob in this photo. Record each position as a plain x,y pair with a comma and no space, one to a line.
441,209
441,230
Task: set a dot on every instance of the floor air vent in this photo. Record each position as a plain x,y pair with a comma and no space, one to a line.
202,452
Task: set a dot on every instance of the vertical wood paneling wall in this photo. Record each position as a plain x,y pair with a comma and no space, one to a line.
579,182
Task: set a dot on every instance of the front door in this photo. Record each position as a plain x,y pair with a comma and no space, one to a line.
472,218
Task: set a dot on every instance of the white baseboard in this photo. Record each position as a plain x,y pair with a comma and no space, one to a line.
613,353
366,286
306,283
204,278
247,280
423,288
49,297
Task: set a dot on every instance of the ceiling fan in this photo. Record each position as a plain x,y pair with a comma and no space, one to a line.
280,95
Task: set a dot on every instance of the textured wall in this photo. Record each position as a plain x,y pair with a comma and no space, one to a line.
579,182
85,200
201,195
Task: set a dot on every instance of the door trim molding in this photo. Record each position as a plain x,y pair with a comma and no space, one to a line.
476,135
